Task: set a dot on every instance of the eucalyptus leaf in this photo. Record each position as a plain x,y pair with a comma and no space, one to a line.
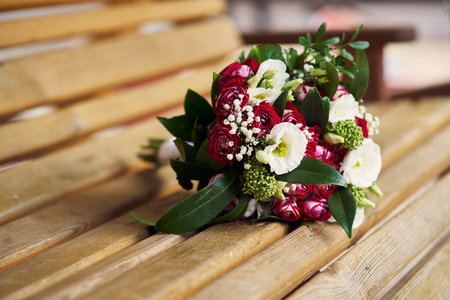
270,51
142,220
361,45
280,102
359,84
331,85
192,171
198,109
314,109
313,171
201,207
179,126
237,213
342,206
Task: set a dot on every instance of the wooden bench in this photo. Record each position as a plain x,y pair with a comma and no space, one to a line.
69,178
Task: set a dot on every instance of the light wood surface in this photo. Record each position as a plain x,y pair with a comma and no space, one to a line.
107,20
368,266
18,4
66,74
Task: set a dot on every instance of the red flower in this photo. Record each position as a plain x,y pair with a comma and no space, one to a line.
341,90
241,70
252,63
289,210
292,115
324,190
314,139
363,124
265,117
316,210
221,143
304,90
230,89
301,190
324,152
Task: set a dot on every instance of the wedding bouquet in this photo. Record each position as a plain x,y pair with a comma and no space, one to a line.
286,138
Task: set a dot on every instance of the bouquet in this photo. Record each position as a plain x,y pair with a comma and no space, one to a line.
286,138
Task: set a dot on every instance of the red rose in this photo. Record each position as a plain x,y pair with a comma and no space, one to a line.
341,90
292,115
324,152
230,89
304,90
339,154
316,210
301,190
313,140
324,190
252,63
222,143
289,210
310,151
243,70
363,124
265,117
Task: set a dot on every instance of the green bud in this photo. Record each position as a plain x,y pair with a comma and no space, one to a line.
293,84
352,134
253,82
270,74
375,189
318,72
262,156
333,138
360,197
364,202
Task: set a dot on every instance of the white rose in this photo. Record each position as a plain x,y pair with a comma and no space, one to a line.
362,166
344,108
287,152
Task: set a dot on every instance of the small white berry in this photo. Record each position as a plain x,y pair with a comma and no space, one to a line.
230,156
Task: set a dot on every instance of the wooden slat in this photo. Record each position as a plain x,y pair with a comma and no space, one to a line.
58,223
367,267
21,138
106,20
69,258
20,4
182,269
306,250
42,181
65,74
432,281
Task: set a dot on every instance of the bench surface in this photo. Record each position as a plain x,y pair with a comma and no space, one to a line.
69,174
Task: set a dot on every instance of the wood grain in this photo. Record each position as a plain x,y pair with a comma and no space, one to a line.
370,264
43,181
306,250
432,280
81,119
53,225
66,74
186,267
122,237
107,20
18,4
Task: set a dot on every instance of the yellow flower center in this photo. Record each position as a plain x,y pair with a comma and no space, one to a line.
358,164
280,150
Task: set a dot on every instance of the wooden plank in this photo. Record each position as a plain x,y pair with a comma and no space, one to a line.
401,120
66,74
306,250
432,280
81,119
40,182
188,266
67,259
20,4
53,225
110,19
368,266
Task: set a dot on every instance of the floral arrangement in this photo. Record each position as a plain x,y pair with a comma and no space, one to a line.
286,138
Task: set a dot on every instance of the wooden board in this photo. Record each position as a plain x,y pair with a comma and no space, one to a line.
368,266
19,4
40,182
432,281
110,19
81,119
307,250
66,74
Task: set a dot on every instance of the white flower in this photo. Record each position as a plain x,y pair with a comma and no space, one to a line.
288,150
274,70
362,166
251,208
344,108
359,217
262,94
167,151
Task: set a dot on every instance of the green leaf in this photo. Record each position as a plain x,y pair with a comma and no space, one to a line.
192,171
331,41
356,33
254,53
359,84
346,72
199,208
361,45
270,51
241,57
313,171
199,134
280,103
347,55
187,152
204,159
198,109
331,85
214,88
320,32
314,109
303,41
142,220
237,213
179,126
342,206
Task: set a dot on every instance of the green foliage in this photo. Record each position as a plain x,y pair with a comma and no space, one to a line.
342,206
361,81
315,110
270,51
197,109
280,102
214,88
179,126
237,213
142,220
